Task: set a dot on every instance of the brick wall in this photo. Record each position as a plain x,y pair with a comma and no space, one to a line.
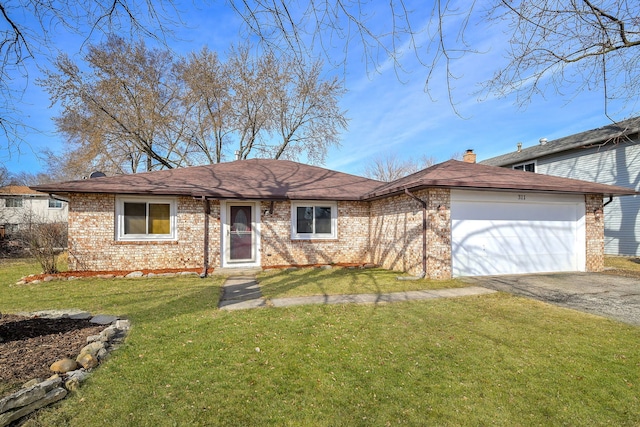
277,247
92,244
594,229
396,233
387,232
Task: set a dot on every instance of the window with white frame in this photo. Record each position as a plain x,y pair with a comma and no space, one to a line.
11,229
527,167
314,220
55,204
145,218
13,202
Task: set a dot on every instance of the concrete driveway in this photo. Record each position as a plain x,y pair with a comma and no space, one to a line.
606,295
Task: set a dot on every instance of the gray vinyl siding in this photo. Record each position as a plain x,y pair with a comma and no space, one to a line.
611,164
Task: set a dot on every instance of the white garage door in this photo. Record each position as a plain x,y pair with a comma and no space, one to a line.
511,233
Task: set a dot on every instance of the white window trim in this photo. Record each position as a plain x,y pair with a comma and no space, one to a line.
20,199
528,162
120,236
313,236
55,207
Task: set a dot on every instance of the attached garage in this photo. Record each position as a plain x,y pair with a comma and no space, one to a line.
515,233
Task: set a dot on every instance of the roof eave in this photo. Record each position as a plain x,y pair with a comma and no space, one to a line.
560,149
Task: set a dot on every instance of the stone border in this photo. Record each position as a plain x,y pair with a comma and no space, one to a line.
34,279
36,394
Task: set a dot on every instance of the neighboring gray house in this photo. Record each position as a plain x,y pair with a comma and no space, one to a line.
607,155
20,204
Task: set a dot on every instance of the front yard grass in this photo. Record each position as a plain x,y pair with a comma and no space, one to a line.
341,281
470,361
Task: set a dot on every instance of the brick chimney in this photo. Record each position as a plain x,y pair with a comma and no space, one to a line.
469,157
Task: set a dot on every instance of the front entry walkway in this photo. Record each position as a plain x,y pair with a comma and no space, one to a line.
242,292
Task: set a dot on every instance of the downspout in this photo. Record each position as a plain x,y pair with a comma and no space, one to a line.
610,200
207,212
424,237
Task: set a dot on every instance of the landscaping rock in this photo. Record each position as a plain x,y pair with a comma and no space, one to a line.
103,319
135,274
64,365
87,360
23,397
51,397
93,348
36,394
28,395
81,315
31,383
72,384
108,333
79,374
93,338
123,324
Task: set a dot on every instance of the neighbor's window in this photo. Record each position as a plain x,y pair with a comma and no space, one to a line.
11,228
150,219
55,204
314,220
13,202
527,167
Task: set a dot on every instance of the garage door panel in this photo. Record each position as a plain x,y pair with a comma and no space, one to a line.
497,237
479,211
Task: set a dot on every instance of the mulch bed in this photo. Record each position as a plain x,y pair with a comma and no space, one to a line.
28,346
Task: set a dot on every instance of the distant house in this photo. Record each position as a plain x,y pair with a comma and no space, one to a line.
607,155
20,205
452,219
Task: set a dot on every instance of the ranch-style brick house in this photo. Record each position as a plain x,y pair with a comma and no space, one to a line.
452,219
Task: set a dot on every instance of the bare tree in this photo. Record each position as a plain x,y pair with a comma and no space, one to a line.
30,30
143,109
388,167
553,43
207,93
5,176
125,114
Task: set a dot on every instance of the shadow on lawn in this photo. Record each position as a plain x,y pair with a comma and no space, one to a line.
355,281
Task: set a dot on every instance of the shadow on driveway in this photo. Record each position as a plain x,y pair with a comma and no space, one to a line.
606,295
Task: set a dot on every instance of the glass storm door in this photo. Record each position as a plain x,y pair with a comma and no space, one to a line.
240,233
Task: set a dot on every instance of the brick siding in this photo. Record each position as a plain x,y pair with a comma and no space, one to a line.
387,232
396,233
594,229
351,246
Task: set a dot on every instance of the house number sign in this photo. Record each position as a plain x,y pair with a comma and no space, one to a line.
522,197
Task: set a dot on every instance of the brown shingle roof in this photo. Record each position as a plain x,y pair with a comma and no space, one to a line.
282,179
456,174
244,179
19,190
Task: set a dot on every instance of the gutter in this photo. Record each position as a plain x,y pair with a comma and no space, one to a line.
424,237
205,255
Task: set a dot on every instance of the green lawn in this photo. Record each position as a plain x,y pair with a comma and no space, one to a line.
487,360
316,281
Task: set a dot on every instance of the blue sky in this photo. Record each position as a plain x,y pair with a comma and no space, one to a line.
388,110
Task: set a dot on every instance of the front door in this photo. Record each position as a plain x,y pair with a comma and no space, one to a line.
240,234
